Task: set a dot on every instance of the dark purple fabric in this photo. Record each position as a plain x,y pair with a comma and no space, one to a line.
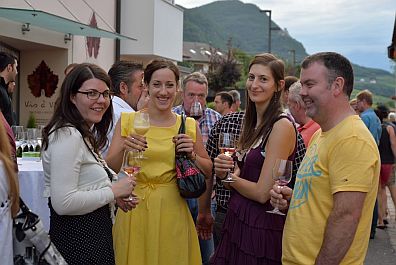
250,235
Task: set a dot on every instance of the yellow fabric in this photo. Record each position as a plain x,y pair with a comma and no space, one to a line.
345,158
160,230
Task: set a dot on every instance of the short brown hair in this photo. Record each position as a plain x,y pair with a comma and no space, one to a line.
227,97
337,66
196,77
365,95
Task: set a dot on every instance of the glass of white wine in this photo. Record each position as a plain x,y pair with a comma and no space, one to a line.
131,165
141,124
227,145
282,174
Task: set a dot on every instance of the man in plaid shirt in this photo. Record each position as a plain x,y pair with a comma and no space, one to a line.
195,88
232,123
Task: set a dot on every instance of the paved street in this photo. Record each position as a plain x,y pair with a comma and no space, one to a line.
382,249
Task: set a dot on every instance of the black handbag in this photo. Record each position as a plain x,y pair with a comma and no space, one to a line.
190,180
32,245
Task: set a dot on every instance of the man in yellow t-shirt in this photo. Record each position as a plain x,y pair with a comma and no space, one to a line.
329,216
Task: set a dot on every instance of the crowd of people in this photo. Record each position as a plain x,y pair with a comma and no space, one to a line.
343,155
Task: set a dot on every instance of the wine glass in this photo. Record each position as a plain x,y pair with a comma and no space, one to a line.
141,125
18,134
227,144
19,139
282,174
40,129
131,165
196,111
32,134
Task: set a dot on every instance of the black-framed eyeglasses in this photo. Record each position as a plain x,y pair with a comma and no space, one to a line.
94,95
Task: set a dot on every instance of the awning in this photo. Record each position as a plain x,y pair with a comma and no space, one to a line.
56,23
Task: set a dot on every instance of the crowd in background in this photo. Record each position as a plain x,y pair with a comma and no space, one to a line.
343,153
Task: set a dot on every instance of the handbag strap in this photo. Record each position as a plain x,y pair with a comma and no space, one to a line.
99,158
182,128
32,219
282,116
23,206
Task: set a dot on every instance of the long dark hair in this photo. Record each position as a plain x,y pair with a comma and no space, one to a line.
274,109
66,113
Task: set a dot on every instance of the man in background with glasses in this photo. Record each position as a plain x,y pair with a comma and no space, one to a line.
195,89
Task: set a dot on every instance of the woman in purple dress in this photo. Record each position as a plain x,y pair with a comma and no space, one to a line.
250,235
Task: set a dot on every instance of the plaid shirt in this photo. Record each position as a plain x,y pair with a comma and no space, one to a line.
230,123
206,122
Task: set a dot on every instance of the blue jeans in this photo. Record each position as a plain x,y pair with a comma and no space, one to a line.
206,246
218,226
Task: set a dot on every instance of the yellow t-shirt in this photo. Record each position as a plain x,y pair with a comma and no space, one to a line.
346,158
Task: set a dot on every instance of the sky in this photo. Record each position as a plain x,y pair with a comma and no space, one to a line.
360,30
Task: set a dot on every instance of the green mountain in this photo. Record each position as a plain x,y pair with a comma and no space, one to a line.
217,22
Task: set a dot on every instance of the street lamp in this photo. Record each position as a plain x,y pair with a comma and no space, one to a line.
293,53
293,62
269,12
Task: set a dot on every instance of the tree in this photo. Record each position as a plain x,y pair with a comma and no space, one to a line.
224,70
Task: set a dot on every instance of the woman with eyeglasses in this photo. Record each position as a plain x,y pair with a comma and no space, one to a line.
80,187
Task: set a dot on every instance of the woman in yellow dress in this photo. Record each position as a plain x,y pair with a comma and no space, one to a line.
160,230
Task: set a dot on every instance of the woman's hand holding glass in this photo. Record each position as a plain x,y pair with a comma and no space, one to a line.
227,145
131,165
123,187
135,142
223,165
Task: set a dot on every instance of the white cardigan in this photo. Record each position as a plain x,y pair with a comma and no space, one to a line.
75,181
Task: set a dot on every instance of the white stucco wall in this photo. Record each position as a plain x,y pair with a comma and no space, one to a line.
158,27
40,44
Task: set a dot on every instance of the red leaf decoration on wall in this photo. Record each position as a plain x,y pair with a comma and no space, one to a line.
93,43
42,79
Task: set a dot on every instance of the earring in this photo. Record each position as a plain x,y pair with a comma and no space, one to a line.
276,96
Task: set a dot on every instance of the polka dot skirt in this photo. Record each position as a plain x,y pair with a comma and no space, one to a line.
83,239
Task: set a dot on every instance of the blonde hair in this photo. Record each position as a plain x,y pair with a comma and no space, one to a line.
8,165
392,116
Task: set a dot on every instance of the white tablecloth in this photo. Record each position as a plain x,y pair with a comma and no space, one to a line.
31,184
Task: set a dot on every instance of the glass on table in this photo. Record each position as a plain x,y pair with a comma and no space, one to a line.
227,146
281,174
32,140
20,139
40,129
131,165
18,134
